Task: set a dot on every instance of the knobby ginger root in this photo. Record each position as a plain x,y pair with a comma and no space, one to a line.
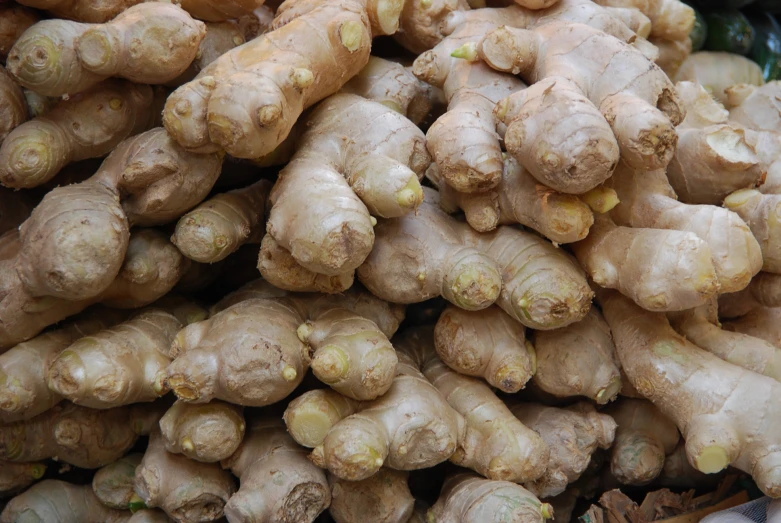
705,396
572,434
14,21
278,482
410,427
487,344
718,71
150,516
765,288
16,476
55,500
762,213
643,438
701,327
113,484
206,432
679,473
340,338
219,10
247,101
662,270
83,10
220,38
83,437
13,105
468,498
149,43
382,498
495,443
759,322
647,200
188,491
578,360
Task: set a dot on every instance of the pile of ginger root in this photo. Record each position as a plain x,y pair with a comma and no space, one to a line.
389,261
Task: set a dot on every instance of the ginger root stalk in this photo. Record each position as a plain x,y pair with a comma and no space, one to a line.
725,413
17,476
149,43
573,434
83,437
13,105
578,360
661,270
55,500
382,498
15,19
114,483
643,438
206,432
278,482
247,101
647,200
495,443
187,490
718,71
486,344
340,337
468,498
410,427
762,213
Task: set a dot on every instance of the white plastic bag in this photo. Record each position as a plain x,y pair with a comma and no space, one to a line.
756,511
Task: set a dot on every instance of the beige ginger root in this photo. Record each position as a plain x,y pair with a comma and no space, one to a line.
219,10
495,443
410,427
338,336
15,19
488,344
644,438
382,498
114,483
83,10
220,38
150,516
89,124
246,102
278,482
762,213
55,500
13,105
718,71
187,490
578,360
206,432
83,437
468,498
149,43
759,322
765,288
703,395
573,434
17,476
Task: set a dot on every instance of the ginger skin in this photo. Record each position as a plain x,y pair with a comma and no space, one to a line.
382,498
55,500
13,105
760,212
759,322
219,10
207,432
17,476
15,19
113,484
81,10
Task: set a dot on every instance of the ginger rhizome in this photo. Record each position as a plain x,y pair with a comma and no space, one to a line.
703,395
718,71
219,10
17,476
578,360
206,432
81,10
246,102
344,339
149,43
644,438
55,500
759,322
114,483
761,213
507,362
15,19
382,498
278,482
89,124
13,105
410,427
427,254
495,443
186,490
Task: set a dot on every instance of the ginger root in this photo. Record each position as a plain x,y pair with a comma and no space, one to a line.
760,212
55,500
16,476
206,432
13,105
718,71
114,483
219,10
382,498
83,10
15,19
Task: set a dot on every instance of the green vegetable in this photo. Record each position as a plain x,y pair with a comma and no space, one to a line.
699,32
729,30
766,50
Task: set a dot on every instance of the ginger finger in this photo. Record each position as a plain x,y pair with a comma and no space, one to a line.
207,432
113,484
55,500
383,498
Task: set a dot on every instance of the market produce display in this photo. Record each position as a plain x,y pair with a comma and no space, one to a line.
388,261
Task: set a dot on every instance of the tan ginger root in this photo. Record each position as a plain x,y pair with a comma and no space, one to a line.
82,10
495,443
760,322
410,427
113,484
150,516
87,125
17,476
246,102
427,254
187,490
718,71
661,270
701,327
206,432
15,19
117,366
219,10
572,434
382,498
679,473
703,395
488,344
220,38
468,498
83,437
55,500
762,213
643,438
647,200
13,106
765,288
58,57
278,482
578,360
343,338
